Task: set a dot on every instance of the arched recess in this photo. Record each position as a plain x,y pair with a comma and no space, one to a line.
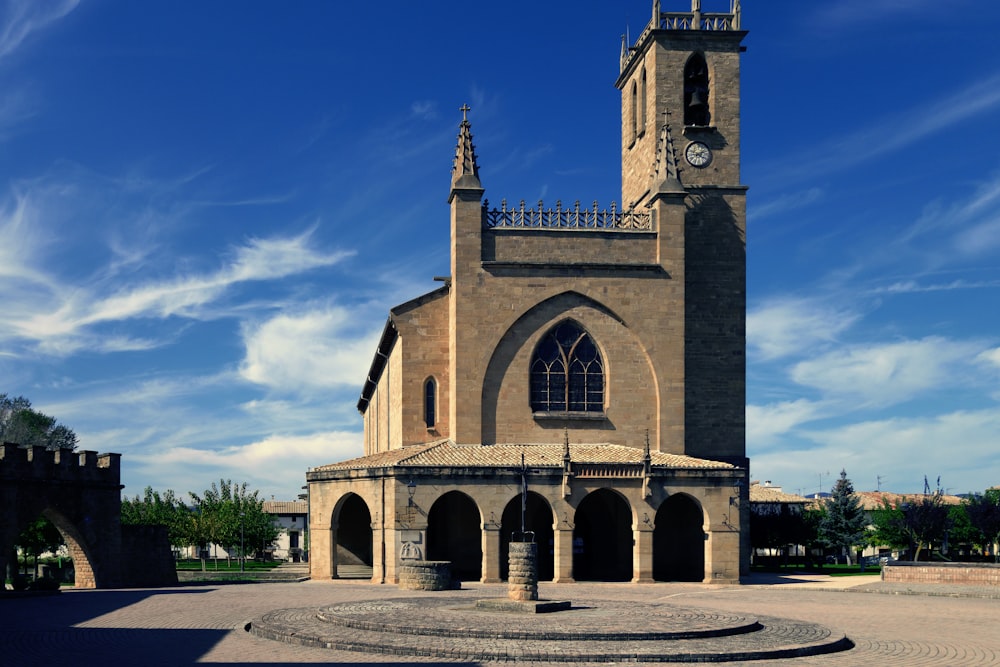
522,336
602,538
539,519
679,540
83,570
353,537
697,109
454,533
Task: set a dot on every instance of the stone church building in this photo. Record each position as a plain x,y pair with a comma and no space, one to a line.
597,356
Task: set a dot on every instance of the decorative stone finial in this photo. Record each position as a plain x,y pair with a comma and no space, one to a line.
465,172
666,174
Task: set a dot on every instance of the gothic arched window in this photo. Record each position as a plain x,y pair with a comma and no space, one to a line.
634,111
567,374
642,103
430,402
696,110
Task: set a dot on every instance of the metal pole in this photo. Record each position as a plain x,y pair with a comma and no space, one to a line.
524,495
241,542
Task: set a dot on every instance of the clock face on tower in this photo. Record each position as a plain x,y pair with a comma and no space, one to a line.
698,154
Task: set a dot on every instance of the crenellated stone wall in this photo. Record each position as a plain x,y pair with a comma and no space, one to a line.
79,492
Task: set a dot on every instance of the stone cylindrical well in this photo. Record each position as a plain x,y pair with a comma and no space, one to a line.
522,582
426,575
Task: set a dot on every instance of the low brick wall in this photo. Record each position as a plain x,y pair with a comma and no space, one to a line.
965,574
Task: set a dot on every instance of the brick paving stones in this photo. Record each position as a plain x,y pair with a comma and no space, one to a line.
205,625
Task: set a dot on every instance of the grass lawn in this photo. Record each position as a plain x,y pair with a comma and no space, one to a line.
832,570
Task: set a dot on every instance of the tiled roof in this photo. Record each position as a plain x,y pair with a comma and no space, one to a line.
872,500
285,506
447,454
769,494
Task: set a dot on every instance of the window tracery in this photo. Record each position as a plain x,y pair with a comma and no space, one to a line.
567,372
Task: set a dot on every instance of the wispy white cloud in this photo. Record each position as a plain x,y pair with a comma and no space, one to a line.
890,133
889,373
186,296
914,287
20,18
308,350
783,203
424,109
786,326
862,13
276,465
765,422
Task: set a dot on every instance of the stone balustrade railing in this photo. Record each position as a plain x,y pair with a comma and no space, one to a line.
565,218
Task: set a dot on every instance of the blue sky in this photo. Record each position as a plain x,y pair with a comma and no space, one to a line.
207,209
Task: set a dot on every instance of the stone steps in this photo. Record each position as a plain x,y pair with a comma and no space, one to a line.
599,631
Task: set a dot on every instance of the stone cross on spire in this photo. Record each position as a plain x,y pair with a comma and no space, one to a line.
465,172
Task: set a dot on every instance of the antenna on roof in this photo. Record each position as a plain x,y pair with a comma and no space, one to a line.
878,482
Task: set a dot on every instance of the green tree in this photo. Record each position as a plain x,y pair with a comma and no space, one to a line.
887,527
844,525
40,536
236,517
984,515
154,509
21,424
925,521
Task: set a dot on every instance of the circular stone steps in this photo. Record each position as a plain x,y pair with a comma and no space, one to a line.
596,631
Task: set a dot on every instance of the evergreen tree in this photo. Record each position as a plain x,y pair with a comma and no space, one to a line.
844,525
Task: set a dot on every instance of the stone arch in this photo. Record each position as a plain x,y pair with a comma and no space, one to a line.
353,538
539,518
454,533
602,537
79,493
697,87
679,540
506,383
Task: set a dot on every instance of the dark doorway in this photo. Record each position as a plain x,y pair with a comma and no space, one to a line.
354,534
454,533
602,538
679,540
538,519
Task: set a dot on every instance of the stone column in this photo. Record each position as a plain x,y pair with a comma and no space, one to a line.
642,555
562,547
491,554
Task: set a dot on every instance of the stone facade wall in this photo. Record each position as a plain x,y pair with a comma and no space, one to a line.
423,333
964,574
561,246
147,559
492,489
715,317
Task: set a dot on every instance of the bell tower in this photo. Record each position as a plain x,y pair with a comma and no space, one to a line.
683,70
680,92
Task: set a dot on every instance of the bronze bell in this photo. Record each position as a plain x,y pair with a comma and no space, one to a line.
697,100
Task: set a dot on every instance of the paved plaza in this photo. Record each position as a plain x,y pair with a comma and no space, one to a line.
892,624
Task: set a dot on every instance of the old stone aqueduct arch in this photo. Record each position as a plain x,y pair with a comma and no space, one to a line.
79,492
471,530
